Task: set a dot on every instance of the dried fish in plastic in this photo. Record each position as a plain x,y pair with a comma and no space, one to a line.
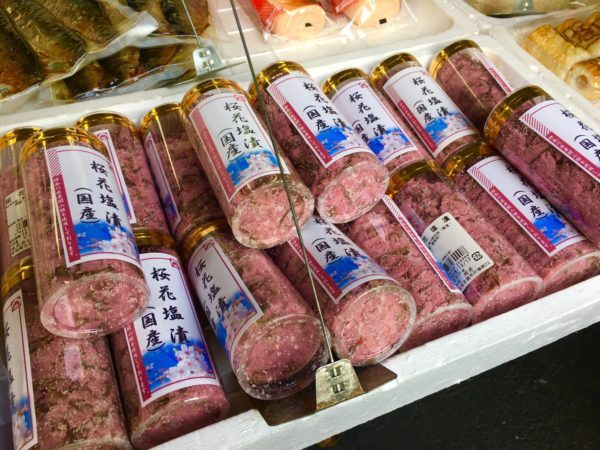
155,9
125,64
91,78
18,67
154,57
57,48
176,15
86,17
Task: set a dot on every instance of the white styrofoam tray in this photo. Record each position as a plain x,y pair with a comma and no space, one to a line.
421,371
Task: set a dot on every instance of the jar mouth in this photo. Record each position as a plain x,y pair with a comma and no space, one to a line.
402,176
194,237
145,237
272,73
155,113
466,156
444,55
191,97
11,137
334,82
104,118
504,110
19,272
380,71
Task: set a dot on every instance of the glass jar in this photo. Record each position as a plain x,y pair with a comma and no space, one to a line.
367,312
88,271
272,337
344,175
168,380
386,235
434,117
183,187
476,257
470,79
64,394
547,241
121,138
237,155
555,150
14,223
374,119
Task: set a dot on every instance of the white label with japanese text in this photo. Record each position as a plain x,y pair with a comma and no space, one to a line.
338,263
92,218
227,301
316,118
238,146
162,182
166,345
565,132
105,137
19,238
416,239
427,108
461,257
546,226
22,403
372,121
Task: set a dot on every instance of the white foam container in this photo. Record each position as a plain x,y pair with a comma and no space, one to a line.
421,371
486,23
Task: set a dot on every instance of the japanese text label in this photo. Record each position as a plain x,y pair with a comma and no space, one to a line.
19,238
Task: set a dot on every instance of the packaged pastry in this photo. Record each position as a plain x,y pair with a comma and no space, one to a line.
585,77
240,162
344,175
364,13
580,34
290,19
88,273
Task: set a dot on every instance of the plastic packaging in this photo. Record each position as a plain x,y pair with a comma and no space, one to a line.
491,7
547,241
344,175
183,187
374,119
442,127
120,137
367,312
387,236
88,271
63,391
237,155
168,380
14,223
272,337
470,79
364,13
290,19
477,258
555,150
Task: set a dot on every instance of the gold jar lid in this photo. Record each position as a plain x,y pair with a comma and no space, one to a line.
19,272
399,179
155,113
11,137
192,240
506,108
70,135
466,157
271,73
145,237
380,71
191,97
334,82
105,118
440,59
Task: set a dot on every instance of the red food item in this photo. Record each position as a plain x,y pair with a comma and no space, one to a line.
368,314
424,197
387,237
573,190
470,79
343,174
97,293
183,392
184,190
120,136
68,385
575,260
273,338
290,19
242,166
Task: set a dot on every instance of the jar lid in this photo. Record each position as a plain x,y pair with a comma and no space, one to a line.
399,179
17,135
19,272
380,71
70,134
197,234
145,237
271,73
506,108
155,113
440,59
191,97
333,83
103,118
466,156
